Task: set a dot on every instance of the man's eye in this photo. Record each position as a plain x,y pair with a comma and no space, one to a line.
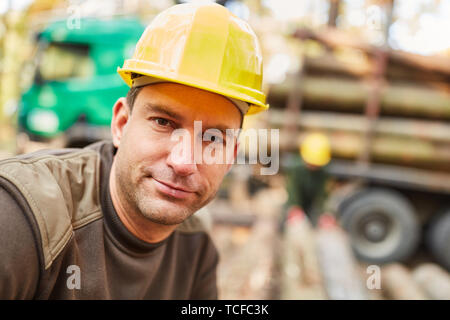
213,138
161,121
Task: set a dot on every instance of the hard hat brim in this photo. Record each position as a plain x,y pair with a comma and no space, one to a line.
256,105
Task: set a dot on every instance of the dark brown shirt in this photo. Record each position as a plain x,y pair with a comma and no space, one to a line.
109,261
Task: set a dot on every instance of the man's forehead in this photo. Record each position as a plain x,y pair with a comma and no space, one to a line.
184,103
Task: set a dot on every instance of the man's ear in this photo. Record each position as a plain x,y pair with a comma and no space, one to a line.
121,114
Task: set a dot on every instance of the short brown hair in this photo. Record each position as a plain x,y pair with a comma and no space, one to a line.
132,95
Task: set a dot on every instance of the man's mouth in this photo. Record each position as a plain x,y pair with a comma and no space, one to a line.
172,190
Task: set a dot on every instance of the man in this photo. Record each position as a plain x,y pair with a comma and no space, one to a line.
307,178
116,220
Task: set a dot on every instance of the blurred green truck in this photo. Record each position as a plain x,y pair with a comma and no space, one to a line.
75,81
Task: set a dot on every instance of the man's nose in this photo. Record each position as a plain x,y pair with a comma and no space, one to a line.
182,160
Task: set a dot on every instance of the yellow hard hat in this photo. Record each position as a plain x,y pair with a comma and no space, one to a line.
315,149
202,45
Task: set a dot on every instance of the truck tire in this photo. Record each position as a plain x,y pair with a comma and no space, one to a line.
382,226
438,238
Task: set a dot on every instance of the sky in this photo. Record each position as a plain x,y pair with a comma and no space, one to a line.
431,36
16,4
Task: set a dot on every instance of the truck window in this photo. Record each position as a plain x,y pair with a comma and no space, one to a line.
60,61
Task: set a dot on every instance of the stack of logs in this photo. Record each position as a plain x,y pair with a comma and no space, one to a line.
332,92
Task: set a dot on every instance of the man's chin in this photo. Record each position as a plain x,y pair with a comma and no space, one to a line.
164,212
162,208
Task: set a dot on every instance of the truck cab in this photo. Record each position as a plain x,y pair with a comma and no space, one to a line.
75,82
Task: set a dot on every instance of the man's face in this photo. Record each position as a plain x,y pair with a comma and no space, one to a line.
151,178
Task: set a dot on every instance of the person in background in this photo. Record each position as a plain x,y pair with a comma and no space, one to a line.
306,177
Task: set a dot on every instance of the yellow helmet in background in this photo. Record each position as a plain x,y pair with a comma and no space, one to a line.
202,45
315,149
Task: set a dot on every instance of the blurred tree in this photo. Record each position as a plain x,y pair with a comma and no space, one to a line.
333,12
5,128
14,45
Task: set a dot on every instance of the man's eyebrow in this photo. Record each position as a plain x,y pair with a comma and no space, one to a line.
159,108
221,128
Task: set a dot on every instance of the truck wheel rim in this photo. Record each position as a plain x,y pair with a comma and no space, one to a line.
380,242
375,229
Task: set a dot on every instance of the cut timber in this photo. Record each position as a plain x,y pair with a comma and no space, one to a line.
419,129
247,272
300,274
434,280
343,94
334,38
397,283
408,151
337,262
398,176
329,64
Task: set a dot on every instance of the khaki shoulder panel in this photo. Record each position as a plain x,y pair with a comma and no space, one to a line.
62,192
